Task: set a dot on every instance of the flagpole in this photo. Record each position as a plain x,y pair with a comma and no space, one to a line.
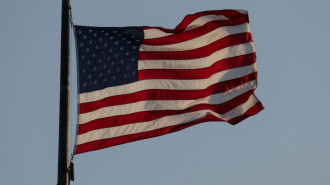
63,141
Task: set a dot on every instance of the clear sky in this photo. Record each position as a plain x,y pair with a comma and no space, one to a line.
288,143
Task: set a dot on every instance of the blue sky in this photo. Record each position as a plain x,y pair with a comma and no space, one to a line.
287,143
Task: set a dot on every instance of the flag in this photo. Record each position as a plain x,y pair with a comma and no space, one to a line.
142,82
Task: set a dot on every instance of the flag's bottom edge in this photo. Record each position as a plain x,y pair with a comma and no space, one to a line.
104,143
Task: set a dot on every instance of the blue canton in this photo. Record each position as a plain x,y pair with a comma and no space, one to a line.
107,56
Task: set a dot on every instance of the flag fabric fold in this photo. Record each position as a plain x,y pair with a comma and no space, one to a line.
141,82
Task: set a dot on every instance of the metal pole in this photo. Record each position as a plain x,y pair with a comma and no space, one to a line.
63,141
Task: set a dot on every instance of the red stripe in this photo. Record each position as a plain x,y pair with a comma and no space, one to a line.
225,64
193,33
152,115
231,14
252,111
199,52
159,94
100,144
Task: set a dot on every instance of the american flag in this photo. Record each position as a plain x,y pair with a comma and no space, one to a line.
142,82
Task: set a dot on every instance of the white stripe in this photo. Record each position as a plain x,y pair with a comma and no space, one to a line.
150,105
244,12
167,84
205,19
163,122
240,110
198,63
200,41
156,33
